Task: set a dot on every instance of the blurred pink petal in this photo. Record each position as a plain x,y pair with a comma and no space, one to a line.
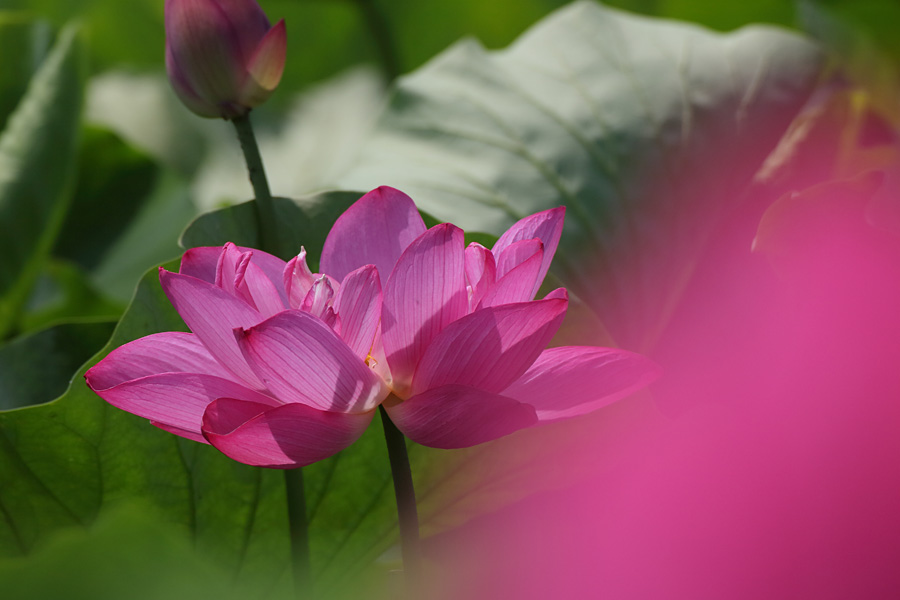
375,230
292,435
265,66
458,416
490,348
302,360
425,292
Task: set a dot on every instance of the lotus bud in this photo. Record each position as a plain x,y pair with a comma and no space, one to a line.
223,56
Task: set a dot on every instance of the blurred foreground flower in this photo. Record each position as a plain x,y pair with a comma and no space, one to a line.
285,367
223,57
462,340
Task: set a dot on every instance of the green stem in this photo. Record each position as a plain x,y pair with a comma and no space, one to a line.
299,531
381,34
408,517
265,207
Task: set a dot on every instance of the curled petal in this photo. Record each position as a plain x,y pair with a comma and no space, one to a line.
202,263
481,273
298,279
358,307
490,348
375,230
292,435
302,360
425,293
546,226
457,416
573,380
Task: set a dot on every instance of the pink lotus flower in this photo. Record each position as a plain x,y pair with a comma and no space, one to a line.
274,373
223,57
462,340
285,367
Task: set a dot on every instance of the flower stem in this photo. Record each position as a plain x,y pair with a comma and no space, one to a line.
408,517
265,207
299,531
381,35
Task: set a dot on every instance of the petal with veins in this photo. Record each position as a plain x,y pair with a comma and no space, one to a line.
574,380
292,435
425,293
457,416
375,230
213,314
490,348
546,226
358,307
302,360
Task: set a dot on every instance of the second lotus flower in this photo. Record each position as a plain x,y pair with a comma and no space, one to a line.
285,367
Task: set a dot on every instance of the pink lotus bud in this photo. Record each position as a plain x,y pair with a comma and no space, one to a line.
223,57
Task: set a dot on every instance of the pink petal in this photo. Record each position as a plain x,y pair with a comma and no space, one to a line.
202,263
490,348
517,253
302,360
169,352
374,231
186,93
298,279
573,380
249,21
456,416
265,67
213,314
177,400
292,435
237,275
358,307
481,272
546,226
425,293
517,285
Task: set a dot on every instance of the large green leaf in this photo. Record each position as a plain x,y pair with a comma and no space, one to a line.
647,130
23,44
38,367
37,152
64,463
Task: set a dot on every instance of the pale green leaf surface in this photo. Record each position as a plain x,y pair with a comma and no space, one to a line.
647,130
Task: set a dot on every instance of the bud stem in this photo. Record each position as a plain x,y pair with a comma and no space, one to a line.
265,207
407,515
